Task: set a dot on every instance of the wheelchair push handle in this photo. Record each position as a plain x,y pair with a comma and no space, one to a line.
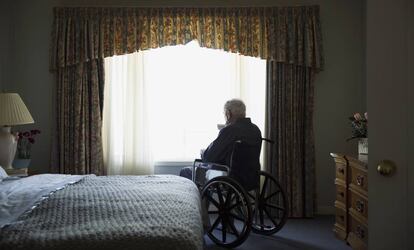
263,139
268,140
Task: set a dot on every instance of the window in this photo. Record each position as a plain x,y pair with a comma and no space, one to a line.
176,96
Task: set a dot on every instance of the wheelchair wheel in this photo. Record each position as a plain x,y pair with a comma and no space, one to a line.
270,213
229,211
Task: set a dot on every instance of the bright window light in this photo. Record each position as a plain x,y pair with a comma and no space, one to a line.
185,88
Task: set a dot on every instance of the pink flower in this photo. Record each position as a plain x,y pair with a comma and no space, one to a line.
357,116
25,142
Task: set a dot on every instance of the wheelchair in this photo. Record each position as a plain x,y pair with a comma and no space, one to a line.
235,207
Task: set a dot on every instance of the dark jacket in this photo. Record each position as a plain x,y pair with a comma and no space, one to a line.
220,150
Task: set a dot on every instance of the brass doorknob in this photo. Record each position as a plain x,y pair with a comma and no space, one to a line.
386,167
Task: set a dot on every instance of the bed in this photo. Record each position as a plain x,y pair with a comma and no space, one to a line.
108,212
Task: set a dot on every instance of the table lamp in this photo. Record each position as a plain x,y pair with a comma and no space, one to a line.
13,112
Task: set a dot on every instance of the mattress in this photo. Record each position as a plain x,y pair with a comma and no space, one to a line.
110,212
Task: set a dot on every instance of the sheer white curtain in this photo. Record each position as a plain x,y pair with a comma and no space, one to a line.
126,130
164,104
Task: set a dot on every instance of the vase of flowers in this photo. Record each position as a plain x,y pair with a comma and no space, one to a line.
359,125
25,140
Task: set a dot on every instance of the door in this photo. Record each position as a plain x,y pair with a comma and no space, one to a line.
390,81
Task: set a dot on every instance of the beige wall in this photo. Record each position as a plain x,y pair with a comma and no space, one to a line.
340,88
4,42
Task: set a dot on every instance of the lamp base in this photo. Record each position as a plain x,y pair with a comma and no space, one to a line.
8,145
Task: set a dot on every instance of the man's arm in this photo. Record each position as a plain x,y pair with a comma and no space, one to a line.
220,147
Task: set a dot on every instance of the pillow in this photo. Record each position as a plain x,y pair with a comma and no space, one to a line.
3,174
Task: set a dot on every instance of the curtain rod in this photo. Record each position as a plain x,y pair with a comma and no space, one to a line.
189,6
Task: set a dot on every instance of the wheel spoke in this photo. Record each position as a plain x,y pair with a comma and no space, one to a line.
233,228
236,217
228,197
215,224
219,194
261,217
212,200
262,193
213,212
251,195
235,205
270,217
273,194
224,230
233,197
274,206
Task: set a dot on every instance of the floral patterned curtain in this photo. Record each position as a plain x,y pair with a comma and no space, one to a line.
284,34
289,123
79,119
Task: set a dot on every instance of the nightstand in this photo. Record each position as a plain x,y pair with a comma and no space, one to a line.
22,172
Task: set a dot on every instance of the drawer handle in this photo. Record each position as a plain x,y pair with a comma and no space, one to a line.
360,180
342,194
360,206
342,217
360,232
341,170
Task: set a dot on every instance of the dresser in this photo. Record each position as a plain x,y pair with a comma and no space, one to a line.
351,204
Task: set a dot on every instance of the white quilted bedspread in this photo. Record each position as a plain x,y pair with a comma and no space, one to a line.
112,212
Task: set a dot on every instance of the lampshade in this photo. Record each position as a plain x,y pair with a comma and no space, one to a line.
13,111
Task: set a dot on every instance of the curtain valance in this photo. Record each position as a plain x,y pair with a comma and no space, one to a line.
283,34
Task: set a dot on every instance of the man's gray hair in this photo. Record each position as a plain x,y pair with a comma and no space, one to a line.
236,107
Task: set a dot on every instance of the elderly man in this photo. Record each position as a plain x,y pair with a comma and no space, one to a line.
237,127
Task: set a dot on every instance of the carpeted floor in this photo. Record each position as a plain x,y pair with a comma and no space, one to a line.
297,234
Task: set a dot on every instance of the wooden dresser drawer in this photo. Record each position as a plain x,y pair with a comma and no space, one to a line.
341,172
358,203
340,233
340,166
340,215
340,192
359,180
358,233
340,227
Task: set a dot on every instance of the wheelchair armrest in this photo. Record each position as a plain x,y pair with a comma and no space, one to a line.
211,165
219,167
197,160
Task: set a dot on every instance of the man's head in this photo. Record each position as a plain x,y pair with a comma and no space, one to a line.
233,110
